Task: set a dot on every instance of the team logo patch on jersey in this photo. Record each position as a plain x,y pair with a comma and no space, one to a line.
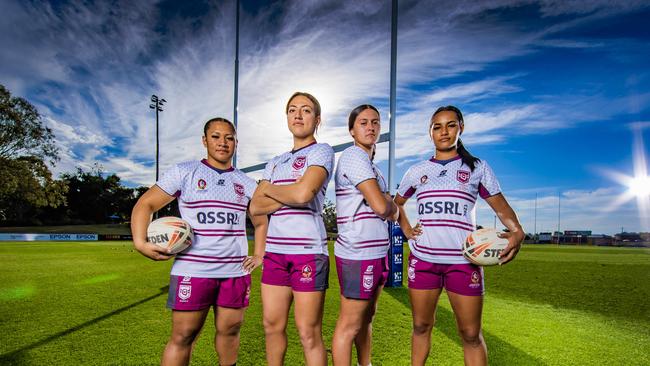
184,292
462,176
424,179
367,281
239,189
201,184
299,162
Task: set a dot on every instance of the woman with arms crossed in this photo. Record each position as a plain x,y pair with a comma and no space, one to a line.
446,188
296,264
215,270
362,206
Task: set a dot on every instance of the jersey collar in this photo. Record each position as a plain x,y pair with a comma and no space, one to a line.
444,162
205,162
304,147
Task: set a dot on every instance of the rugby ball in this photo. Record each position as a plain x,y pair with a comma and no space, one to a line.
482,247
171,233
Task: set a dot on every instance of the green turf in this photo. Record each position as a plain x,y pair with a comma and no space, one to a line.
102,303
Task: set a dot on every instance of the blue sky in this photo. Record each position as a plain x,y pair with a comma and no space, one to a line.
555,93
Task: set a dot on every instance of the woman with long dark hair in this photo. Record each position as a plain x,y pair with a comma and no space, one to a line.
447,187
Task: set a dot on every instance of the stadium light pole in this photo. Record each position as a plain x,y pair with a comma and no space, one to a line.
157,104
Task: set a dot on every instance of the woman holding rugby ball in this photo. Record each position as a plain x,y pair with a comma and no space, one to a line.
215,270
296,264
362,206
446,187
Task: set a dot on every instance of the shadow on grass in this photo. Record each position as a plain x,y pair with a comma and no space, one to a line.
500,352
17,357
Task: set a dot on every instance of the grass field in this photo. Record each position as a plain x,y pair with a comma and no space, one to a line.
104,304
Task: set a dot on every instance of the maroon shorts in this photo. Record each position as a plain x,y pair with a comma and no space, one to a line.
360,279
463,278
301,272
196,293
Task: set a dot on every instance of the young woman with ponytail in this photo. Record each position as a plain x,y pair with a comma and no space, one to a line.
446,187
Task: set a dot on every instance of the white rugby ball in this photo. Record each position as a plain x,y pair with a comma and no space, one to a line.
171,233
482,247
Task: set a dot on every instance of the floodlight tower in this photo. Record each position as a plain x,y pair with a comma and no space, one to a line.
157,105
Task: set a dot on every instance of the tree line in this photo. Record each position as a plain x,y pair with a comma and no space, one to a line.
29,195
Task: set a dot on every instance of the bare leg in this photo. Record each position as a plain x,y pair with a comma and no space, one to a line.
363,340
468,311
186,326
423,307
348,326
309,321
276,301
228,321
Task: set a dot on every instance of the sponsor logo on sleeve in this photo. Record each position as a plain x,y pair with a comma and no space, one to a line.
462,176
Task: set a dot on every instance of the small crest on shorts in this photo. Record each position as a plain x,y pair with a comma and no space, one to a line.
201,184
411,273
239,189
476,277
186,279
299,162
370,268
462,176
306,271
424,179
184,292
367,281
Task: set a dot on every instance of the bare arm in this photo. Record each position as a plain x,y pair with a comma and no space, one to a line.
151,201
301,192
409,231
261,204
380,203
261,225
509,219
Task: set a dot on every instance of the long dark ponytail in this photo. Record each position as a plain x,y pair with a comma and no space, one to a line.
467,158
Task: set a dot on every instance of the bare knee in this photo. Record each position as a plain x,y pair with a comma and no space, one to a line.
184,337
422,327
310,336
471,336
273,326
348,328
231,329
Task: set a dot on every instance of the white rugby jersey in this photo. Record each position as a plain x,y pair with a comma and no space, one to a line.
299,230
214,202
446,191
362,234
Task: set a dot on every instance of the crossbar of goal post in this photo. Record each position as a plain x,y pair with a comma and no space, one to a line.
384,137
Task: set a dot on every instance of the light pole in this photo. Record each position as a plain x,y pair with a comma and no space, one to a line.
157,105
